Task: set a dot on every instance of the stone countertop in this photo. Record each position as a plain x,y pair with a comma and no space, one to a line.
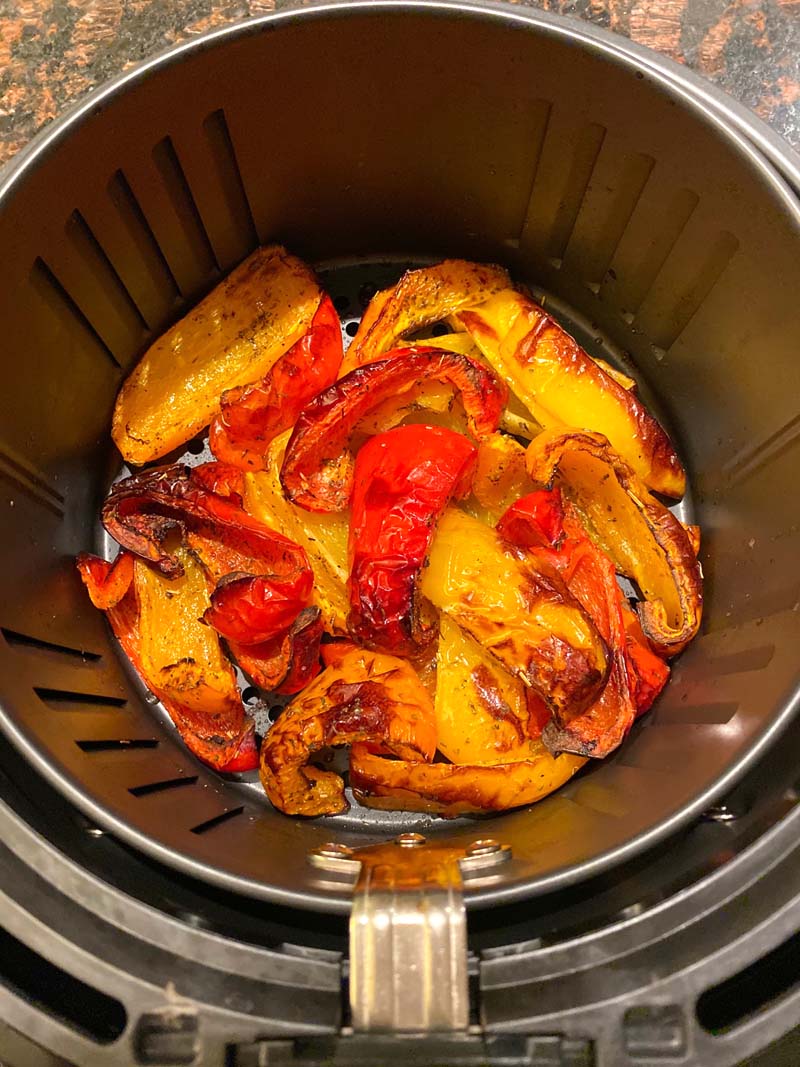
53,51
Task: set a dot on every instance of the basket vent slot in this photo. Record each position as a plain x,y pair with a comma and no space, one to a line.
171,172
67,700
163,786
58,299
116,745
681,287
19,640
218,820
749,659
138,257
230,178
752,459
584,157
699,714
125,325
30,482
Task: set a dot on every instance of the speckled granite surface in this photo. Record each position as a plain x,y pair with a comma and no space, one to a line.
54,51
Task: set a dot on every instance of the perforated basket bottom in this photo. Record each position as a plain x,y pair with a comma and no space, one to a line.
352,285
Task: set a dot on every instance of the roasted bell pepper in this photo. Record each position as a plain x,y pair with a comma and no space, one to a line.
590,577
261,579
317,470
481,708
543,524
362,696
403,481
252,416
562,385
642,537
231,338
524,615
421,298
156,620
449,789
286,663
322,535
501,476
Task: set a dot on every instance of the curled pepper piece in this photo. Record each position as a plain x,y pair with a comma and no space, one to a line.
642,537
252,416
522,613
542,524
561,385
317,471
421,298
403,480
449,789
362,696
262,579
590,576
232,337
156,621
286,663
107,583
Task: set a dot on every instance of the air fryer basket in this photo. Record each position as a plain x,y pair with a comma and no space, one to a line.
363,137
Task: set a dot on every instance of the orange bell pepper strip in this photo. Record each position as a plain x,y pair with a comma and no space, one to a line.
403,480
317,471
636,531
252,416
208,713
361,696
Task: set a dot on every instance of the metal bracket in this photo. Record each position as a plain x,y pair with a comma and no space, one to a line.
408,930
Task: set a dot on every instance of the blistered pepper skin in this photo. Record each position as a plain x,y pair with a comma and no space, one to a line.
252,416
403,480
318,467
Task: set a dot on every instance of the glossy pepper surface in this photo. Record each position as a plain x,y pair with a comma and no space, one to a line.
403,480
317,471
252,416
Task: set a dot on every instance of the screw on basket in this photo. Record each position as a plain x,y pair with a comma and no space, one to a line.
334,857
483,855
410,840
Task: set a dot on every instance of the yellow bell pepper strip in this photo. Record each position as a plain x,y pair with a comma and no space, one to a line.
642,537
252,416
361,696
501,476
449,789
317,471
522,614
157,622
230,339
481,708
421,298
322,535
563,386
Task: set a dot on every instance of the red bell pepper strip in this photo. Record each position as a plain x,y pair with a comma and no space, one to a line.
540,523
403,481
226,745
317,470
253,415
262,579
253,608
286,663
